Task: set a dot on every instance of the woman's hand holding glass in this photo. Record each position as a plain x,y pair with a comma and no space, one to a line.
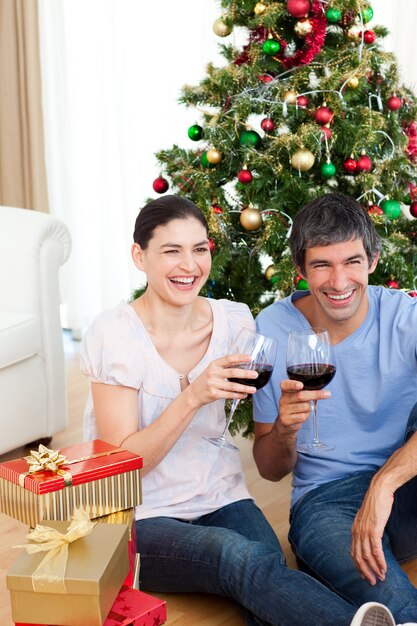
213,383
262,351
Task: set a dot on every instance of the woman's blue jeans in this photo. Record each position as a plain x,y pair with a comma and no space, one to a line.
234,552
320,535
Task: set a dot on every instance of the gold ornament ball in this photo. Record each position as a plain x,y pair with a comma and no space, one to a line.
259,8
353,82
270,271
302,160
251,219
354,32
213,156
290,97
220,28
302,28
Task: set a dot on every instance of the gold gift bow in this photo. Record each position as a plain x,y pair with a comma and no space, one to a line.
49,576
46,459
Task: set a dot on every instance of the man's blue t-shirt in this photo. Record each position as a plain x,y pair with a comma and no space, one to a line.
373,391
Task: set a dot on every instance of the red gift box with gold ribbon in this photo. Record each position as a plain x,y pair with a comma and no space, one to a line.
50,485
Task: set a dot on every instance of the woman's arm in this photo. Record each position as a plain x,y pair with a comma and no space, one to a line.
116,409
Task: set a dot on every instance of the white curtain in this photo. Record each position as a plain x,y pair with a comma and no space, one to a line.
112,71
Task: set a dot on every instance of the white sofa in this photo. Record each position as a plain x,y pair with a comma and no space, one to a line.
33,399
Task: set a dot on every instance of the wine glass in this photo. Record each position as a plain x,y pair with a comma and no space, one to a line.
262,351
311,360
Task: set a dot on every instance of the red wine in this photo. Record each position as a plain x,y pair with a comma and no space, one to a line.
313,375
264,374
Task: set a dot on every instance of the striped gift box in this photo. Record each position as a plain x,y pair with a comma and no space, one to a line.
94,475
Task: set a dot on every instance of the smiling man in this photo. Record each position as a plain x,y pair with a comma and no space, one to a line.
354,508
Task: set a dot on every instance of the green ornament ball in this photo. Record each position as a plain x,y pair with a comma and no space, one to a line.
271,47
333,16
204,160
367,14
391,208
250,138
274,279
302,284
328,170
195,132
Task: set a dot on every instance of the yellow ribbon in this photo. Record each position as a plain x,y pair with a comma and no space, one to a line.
49,576
44,459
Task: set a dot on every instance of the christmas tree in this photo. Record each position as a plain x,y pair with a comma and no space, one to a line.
309,103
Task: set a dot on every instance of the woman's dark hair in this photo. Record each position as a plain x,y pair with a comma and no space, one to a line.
161,211
332,218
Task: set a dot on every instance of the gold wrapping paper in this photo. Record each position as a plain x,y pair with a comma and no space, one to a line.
97,566
98,497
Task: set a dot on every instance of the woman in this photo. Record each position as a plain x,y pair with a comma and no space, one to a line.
159,370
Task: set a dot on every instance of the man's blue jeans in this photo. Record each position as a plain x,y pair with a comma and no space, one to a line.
234,552
320,535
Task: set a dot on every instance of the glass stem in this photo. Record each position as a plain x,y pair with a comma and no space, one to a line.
229,419
316,440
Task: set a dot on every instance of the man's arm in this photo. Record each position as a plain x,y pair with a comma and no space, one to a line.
372,517
274,448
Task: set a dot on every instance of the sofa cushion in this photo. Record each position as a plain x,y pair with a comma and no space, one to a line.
19,337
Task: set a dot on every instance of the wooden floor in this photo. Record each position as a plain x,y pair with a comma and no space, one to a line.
183,609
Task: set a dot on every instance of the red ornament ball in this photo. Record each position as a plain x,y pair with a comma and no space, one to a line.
369,36
374,209
326,132
323,115
244,177
392,284
394,103
302,101
267,125
160,185
413,294
298,8
266,78
364,164
217,209
349,165
211,245
413,209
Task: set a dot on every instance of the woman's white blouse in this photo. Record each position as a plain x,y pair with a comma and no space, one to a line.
195,477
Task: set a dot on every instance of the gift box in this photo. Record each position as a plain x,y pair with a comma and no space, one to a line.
135,608
127,517
50,485
91,581
132,608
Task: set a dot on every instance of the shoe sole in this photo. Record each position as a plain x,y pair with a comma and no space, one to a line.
376,616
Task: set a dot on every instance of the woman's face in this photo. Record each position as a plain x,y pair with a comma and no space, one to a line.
177,261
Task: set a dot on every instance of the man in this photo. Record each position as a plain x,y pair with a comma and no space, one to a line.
354,508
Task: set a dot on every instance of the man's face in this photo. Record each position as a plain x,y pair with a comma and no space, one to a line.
337,277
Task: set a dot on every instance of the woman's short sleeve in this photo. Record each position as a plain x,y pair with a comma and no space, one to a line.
112,351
